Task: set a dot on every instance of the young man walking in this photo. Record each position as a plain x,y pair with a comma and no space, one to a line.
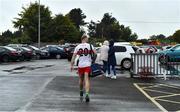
84,50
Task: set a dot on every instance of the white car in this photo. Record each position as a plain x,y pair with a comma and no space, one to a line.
123,55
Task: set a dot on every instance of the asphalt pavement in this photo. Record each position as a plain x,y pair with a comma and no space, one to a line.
49,85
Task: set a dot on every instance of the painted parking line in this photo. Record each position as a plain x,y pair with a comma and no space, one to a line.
145,88
150,98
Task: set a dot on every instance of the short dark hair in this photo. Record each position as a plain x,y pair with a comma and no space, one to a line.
83,37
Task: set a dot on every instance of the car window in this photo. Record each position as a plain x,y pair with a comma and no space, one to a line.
135,48
53,48
9,48
45,48
35,48
177,47
2,50
26,49
120,49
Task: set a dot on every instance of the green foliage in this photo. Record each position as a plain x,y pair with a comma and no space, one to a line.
176,36
28,21
77,17
109,28
61,28
157,37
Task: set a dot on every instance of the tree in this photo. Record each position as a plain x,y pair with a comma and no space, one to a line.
77,17
92,29
62,28
28,21
7,34
176,36
157,37
109,28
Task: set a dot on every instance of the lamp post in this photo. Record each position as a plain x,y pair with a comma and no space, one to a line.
39,29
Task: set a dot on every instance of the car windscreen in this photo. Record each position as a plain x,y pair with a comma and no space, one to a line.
35,48
10,48
135,48
176,47
26,49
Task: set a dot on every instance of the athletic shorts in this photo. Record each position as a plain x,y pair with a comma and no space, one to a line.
84,70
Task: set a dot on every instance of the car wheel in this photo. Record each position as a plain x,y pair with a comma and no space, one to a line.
58,56
22,58
5,58
126,64
163,59
38,56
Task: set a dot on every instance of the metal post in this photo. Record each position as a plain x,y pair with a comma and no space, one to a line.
39,30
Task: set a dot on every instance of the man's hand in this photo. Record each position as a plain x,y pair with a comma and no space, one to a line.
72,62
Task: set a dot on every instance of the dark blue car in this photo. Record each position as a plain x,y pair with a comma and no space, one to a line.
170,55
55,52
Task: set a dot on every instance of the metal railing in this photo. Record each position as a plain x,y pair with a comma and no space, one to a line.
156,65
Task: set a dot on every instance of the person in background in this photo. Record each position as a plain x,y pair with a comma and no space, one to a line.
111,60
104,56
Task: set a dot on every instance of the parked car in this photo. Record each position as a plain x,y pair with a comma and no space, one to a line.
8,54
170,55
38,53
26,54
166,48
149,48
55,52
70,53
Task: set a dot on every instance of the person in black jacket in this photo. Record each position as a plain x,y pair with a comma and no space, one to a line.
111,60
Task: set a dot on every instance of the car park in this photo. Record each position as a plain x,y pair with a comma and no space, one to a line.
170,55
8,54
55,52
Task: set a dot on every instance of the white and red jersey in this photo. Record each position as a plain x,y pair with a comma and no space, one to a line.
84,51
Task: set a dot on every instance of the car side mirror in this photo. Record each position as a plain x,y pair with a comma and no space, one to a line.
172,50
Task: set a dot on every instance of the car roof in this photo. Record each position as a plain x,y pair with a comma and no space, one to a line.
9,48
122,43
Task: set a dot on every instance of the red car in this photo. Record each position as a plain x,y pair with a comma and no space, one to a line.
8,54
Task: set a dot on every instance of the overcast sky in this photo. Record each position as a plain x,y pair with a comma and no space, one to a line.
145,17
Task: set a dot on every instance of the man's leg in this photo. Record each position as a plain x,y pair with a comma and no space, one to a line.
87,85
81,80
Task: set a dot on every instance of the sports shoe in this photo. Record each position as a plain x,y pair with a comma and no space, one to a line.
108,75
87,98
81,95
113,77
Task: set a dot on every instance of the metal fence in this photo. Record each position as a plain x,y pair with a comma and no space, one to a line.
145,65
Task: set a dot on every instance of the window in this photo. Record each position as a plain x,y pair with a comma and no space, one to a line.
2,50
45,48
177,47
53,48
135,48
120,49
